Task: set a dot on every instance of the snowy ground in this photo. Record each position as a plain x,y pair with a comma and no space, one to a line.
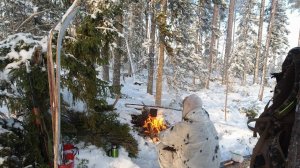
234,134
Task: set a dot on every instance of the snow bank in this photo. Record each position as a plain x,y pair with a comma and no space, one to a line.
94,157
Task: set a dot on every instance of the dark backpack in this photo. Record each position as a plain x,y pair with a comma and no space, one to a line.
275,124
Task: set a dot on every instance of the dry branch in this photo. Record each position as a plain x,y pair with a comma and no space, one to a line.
30,17
143,105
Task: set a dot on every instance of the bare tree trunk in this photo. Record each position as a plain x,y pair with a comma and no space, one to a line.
199,38
159,80
266,52
226,99
218,39
130,33
130,61
198,43
233,31
147,20
105,56
229,38
244,80
224,62
117,57
151,52
259,39
299,39
228,50
212,46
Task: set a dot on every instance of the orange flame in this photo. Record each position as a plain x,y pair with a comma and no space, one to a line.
153,126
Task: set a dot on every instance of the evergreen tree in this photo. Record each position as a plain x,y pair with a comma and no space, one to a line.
184,58
279,37
243,58
24,90
136,33
81,62
30,16
25,93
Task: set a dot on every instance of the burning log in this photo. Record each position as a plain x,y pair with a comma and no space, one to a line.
149,122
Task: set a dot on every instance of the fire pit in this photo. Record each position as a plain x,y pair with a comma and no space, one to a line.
150,123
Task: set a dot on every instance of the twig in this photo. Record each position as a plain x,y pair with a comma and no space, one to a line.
30,17
117,99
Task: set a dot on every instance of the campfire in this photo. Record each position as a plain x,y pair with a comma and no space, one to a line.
154,124
150,123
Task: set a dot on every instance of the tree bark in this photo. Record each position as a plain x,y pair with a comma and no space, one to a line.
266,52
105,56
259,39
299,39
151,52
130,36
228,38
212,46
198,46
226,99
159,80
117,57
147,20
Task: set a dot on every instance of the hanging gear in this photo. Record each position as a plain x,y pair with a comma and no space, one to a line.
69,153
275,124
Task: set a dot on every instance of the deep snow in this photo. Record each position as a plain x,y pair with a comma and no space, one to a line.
234,134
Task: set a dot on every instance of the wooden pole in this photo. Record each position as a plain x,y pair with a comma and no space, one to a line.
54,82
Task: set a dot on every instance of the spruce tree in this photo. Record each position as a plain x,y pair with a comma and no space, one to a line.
243,58
25,93
279,37
184,58
81,64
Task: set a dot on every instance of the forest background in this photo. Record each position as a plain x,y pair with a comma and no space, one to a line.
183,44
